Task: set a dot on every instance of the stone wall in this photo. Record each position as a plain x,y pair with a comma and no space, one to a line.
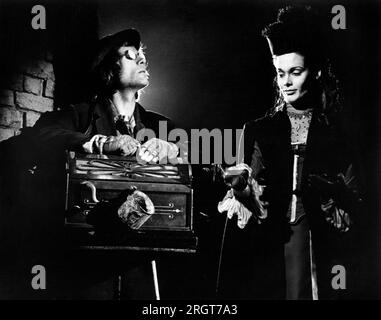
42,69
28,93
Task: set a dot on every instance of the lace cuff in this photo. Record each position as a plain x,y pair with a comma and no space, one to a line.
337,217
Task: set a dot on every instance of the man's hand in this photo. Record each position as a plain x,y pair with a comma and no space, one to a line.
124,144
155,150
93,145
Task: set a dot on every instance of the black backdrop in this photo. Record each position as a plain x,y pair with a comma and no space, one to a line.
210,68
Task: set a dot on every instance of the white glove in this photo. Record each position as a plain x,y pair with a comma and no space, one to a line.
244,203
232,206
136,210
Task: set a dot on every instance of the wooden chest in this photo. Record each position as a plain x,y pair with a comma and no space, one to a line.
94,178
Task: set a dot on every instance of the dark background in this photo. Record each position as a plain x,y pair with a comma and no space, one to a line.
210,68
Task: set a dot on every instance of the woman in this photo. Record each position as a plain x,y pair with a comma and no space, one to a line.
302,179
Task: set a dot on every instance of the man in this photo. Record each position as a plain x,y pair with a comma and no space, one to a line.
113,119
111,122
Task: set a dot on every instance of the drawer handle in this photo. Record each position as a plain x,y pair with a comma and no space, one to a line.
93,190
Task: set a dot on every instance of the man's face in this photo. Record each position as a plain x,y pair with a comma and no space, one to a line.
293,77
133,68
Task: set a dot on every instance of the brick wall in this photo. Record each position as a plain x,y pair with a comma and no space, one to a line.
27,77
26,94
28,80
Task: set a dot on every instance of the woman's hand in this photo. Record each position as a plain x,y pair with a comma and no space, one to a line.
232,207
244,203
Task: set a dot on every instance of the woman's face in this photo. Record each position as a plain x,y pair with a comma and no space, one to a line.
293,76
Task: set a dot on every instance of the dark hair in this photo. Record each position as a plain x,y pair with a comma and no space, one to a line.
313,49
329,93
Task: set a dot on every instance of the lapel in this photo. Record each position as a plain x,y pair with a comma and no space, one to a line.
282,135
284,138
104,122
140,115
316,142
103,119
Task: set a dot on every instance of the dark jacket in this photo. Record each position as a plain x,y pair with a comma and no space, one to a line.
267,149
32,177
32,190
71,128
256,253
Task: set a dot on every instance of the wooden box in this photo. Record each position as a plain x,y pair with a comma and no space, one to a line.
93,178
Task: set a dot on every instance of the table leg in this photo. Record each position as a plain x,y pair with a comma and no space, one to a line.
156,284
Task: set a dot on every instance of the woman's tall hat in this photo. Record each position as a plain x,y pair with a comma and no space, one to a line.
297,29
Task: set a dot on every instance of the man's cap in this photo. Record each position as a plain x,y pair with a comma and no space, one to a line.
297,29
128,36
